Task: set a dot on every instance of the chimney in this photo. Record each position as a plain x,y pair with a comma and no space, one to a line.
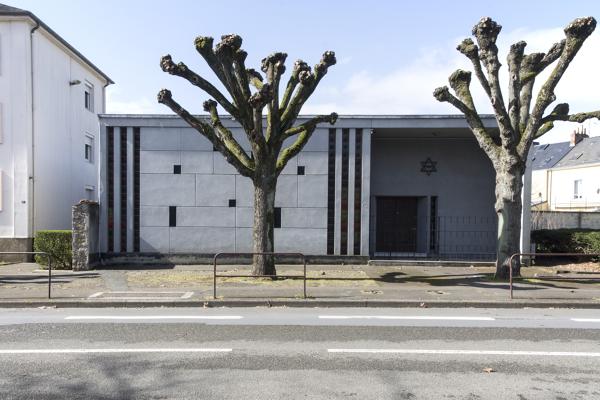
577,136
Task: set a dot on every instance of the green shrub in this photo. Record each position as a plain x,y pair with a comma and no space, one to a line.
566,241
58,245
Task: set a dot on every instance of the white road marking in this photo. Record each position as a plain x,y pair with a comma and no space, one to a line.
470,352
87,351
152,317
402,317
585,319
132,295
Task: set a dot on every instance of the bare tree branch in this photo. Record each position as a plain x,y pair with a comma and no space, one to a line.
514,59
531,66
225,135
561,113
255,78
312,123
304,133
308,83
165,97
576,33
486,32
167,65
470,49
299,66
273,66
485,140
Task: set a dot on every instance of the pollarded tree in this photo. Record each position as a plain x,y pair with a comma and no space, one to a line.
249,94
521,120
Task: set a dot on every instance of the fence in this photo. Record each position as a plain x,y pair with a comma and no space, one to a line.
440,238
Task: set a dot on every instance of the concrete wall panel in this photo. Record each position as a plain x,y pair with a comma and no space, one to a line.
214,190
157,138
197,162
307,241
206,216
202,240
158,162
154,216
154,239
167,190
312,191
191,139
304,218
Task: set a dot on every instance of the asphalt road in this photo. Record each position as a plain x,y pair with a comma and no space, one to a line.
299,354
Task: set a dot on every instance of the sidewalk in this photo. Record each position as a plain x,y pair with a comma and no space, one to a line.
24,285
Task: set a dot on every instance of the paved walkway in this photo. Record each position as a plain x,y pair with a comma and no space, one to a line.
327,284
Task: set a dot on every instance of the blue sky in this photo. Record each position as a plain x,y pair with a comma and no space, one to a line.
391,54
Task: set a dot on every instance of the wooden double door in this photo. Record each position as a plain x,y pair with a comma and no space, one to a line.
396,225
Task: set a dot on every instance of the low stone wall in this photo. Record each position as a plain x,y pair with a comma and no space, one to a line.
16,244
133,259
564,220
85,235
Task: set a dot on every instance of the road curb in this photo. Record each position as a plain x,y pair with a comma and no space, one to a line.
297,303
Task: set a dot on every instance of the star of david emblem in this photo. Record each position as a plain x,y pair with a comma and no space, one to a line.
428,166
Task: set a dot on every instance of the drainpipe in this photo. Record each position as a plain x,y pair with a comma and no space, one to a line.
32,176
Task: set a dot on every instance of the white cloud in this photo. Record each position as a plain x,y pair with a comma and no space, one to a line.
116,105
408,89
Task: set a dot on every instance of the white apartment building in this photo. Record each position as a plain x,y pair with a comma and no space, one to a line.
50,98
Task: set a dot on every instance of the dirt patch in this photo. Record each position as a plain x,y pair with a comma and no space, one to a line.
571,267
195,278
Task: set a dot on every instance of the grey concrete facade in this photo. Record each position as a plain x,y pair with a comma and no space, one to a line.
182,197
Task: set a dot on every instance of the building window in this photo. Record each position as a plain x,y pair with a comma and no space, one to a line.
577,189
89,96
88,149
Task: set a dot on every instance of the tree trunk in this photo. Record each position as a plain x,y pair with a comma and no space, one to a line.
509,185
264,218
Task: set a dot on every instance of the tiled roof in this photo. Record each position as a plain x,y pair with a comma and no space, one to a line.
546,156
585,152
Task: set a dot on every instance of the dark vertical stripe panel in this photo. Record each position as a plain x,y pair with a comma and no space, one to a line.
357,189
344,195
124,189
331,191
172,216
136,189
110,182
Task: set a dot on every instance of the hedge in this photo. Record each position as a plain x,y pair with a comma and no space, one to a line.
566,241
58,245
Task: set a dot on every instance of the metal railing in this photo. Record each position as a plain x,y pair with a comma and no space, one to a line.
443,237
215,276
533,255
42,253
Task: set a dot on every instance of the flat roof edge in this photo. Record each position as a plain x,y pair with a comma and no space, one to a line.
346,116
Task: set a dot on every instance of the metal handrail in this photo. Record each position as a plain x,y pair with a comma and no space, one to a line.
531,255
256,276
43,253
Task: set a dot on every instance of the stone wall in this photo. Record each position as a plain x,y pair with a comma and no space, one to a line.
18,245
562,219
85,235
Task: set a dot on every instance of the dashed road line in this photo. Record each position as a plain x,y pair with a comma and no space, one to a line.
468,352
152,317
403,317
